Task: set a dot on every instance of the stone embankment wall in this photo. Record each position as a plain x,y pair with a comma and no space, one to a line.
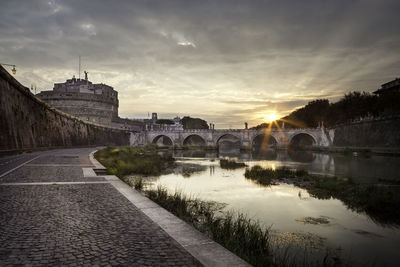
27,122
380,133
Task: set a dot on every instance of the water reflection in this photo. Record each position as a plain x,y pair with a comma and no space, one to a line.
268,154
301,156
360,169
194,153
290,210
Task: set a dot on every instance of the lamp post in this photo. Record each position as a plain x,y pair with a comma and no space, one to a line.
13,70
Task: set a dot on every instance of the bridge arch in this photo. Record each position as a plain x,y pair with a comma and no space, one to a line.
194,140
264,141
162,141
229,137
302,140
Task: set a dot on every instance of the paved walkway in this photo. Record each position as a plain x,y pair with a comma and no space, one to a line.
50,214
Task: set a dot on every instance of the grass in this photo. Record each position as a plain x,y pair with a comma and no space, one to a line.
139,184
231,164
243,236
122,161
380,202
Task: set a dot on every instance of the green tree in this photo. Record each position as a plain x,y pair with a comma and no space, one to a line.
352,106
193,123
308,116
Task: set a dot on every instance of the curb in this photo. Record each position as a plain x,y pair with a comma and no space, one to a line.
205,250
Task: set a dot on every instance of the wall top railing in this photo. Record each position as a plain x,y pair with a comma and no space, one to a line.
367,120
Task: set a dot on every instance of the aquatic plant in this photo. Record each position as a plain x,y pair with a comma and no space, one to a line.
269,176
231,164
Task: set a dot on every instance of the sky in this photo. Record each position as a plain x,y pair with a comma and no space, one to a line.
226,61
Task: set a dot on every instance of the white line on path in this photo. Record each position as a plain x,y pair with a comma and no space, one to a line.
59,165
19,166
55,183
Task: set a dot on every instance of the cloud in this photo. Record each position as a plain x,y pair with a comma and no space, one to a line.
187,43
226,60
88,28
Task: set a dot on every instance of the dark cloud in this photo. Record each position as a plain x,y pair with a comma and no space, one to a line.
206,57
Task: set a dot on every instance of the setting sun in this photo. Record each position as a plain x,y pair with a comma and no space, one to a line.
272,117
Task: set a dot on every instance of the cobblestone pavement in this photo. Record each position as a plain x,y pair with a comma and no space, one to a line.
77,224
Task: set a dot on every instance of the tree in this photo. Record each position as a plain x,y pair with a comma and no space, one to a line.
308,116
193,123
352,106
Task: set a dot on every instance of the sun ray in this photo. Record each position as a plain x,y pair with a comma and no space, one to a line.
266,137
280,130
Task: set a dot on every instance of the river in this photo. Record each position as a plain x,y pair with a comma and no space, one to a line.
295,217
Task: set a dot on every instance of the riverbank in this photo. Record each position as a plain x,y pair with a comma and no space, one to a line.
385,151
225,228
366,150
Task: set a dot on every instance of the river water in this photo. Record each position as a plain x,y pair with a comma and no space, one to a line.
295,217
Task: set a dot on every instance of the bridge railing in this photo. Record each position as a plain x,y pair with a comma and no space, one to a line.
172,129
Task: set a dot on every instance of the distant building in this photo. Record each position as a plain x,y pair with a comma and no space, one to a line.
154,117
96,103
152,124
389,87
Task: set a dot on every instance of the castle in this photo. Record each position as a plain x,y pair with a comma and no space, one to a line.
97,103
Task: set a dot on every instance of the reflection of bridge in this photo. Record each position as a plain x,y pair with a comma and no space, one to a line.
248,138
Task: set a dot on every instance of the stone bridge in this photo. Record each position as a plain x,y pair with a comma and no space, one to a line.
248,139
